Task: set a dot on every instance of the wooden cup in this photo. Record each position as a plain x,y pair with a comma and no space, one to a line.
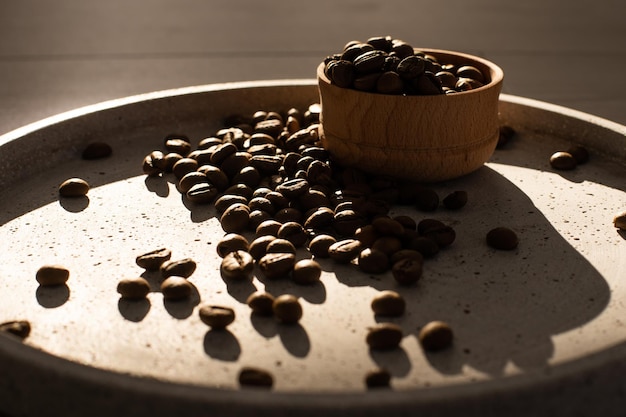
418,138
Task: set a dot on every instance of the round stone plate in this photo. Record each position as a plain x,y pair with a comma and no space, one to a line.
537,331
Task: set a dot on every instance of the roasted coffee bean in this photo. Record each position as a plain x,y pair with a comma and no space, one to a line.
235,218
306,272
255,377
384,336
281,245
184,167
19,328
287,309
294,188
373,261
178,145
278,200
455,200
401,49
191,179
277,265
216,317
234,163
387,245
411,67
619,221
382,43
388,303
135,288
502,238
176,288
580,153
247,175
149,167
355,48
345,250
443,236
203,193
261,203
215,176
232,242
425,225
469,71
426,199
49,275
182,268
237,266
436,335
389,82
257,217
366,82
314,199
153,260
320,244
169,160
346,222
424,245
288,214
261,303
209,142
266,164
378,378
203,156
340,72
563,161
271,127
367,235
388,227
74,187
427,84
406,221
97,150
370,61
407,271
293,232
228,200
258,247
406,254
222,152
320,219
268,227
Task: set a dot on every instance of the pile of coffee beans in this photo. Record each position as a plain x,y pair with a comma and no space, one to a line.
391,66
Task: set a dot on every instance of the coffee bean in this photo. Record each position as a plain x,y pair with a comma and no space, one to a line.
344,251
388,303
49,275
306,272
406,254
258,247
294,233
502,238
619,221
176,288
184,167
277,265
97,150
426,199
237,265
378,378
240,189
149,167
153,260
340,72
443,236
424,245
203,193
436,335
288,214
387,226
255,377
455,200
179,145
407,271
387,245
411,67
19,328
215,176
182,268
169,160
261,203
227,200
287,309
321,218
261,303
73,187
563,161
373,261
384,336
268,227
135,288
389,82
191,179
346,222
230,243
235,218
280,245
320,244
216,317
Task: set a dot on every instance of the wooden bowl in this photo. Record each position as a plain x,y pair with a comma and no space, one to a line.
419,138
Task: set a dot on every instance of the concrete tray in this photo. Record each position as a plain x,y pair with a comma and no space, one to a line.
538,331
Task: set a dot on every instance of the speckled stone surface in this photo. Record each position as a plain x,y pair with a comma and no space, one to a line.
538,330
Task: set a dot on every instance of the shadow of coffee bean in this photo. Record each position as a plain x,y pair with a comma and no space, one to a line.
266,326
222,345
52,296
396,361
74,204
183,308
295,339
134,310
158,185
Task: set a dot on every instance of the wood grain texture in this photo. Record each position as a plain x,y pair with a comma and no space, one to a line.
421,138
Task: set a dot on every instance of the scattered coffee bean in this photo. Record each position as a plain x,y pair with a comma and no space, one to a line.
153,260
277,265
426,199
619,221
388,303
235,218
436,335
502,238
176,288
345,250
407,271
280,245
455,200
184,167
378,378
563,161
373,261
407,254
287,309
255,377
182,268
294,233
232,242
227,200
320,244
258,247
97,150
19,328
384,336
216,317
135,288
49,275
237,265
74,187
261,303
306,272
